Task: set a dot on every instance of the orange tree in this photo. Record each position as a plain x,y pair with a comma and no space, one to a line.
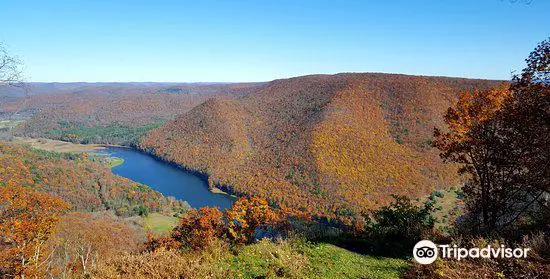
500,138
471,141
81,239
199,227
27,219
246,216
155,243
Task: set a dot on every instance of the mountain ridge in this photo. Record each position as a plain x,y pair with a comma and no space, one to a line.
339,143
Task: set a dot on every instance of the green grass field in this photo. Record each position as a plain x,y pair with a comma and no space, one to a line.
269,260
114,161
329,261
159,223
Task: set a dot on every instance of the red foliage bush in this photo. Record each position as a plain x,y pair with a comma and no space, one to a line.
198,228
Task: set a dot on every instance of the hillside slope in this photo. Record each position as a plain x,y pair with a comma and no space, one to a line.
328,144
116,114
79,180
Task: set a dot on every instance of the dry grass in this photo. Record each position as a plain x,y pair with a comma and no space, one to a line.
167,264
539,244
56,145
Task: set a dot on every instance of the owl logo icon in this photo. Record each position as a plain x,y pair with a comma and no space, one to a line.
425,252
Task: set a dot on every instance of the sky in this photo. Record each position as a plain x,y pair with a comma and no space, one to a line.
238,41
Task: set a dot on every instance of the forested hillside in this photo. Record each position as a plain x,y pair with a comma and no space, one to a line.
114,114
332,145
85,184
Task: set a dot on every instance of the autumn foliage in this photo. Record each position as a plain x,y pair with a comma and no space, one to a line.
27,220
110,113
472,110
247,216
500,139
81,240
87,185
330,145
199,228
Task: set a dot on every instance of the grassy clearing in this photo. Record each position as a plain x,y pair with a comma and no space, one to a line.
329,261
158,223
56,145
114,161
294,260
106,159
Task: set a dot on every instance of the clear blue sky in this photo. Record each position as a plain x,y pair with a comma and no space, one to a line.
186,41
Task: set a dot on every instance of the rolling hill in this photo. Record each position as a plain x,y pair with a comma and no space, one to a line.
112,113
333,145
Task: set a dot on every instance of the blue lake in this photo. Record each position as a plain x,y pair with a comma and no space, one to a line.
166,178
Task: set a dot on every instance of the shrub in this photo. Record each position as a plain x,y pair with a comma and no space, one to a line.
81,239
141,210
199,228
155,243
242,223
396,228
539,244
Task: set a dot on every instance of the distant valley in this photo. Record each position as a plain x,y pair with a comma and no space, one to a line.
330,145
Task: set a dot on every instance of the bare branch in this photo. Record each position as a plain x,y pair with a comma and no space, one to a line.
10,68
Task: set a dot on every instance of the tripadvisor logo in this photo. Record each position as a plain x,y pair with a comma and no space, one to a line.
426,252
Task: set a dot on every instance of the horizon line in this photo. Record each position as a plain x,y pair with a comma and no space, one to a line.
279,78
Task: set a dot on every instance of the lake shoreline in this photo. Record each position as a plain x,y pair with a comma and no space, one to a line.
216,189
200,176
64,146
